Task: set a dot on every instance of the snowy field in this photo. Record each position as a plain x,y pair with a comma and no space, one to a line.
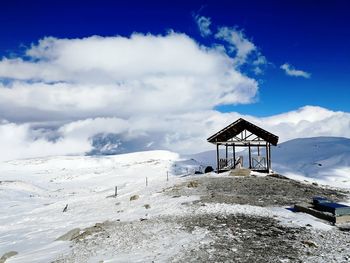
34,192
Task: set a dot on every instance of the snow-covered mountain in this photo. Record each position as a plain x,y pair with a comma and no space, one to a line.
111,144
312,156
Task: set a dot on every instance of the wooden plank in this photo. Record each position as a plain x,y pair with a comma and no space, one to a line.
269,156
250,157
342,219
307,208
234,156
217,158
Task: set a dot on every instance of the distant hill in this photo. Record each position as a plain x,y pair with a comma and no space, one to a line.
312,157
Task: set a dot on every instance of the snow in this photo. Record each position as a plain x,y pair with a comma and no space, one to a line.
34,192
324,160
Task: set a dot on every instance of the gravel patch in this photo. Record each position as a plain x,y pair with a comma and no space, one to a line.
257,191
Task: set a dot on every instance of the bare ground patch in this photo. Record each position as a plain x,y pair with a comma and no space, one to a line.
258,191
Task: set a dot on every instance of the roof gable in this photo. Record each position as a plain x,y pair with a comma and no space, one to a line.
237,127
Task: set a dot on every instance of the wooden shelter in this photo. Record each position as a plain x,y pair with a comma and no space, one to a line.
242,133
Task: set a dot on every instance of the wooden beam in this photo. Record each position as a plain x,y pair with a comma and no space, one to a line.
249,136
250,157
242,144
217,158
234,156
267,157
226,155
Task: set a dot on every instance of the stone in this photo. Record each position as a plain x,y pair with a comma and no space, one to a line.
134,197
192,184
309,243
70,235
7,255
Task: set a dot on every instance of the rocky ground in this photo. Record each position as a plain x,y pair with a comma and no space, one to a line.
200,234
257,191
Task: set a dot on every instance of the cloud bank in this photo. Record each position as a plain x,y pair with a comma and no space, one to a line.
290,71
118,76
69,96
185,133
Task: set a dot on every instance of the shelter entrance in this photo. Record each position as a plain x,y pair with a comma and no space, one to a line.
254,139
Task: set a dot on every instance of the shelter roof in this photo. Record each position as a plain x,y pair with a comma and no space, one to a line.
237,127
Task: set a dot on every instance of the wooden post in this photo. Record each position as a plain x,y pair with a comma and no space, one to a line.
167,175
258,150
267,156
217,158
234,156
226,155
146,181
250,157
116,191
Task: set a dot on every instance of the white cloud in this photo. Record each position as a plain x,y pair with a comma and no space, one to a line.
290,71
118,76
238,43
203,24
21,141
185,132
150,91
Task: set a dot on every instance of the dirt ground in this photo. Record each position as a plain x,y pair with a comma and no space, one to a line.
258,191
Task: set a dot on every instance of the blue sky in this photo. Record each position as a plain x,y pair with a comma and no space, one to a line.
309,35
143,75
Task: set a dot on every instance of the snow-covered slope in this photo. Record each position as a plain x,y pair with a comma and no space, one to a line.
34,192
326,159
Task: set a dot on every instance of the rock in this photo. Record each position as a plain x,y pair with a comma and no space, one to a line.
192,184
70,235
7,255
208,169
147,206
134,197
309,243
344,227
